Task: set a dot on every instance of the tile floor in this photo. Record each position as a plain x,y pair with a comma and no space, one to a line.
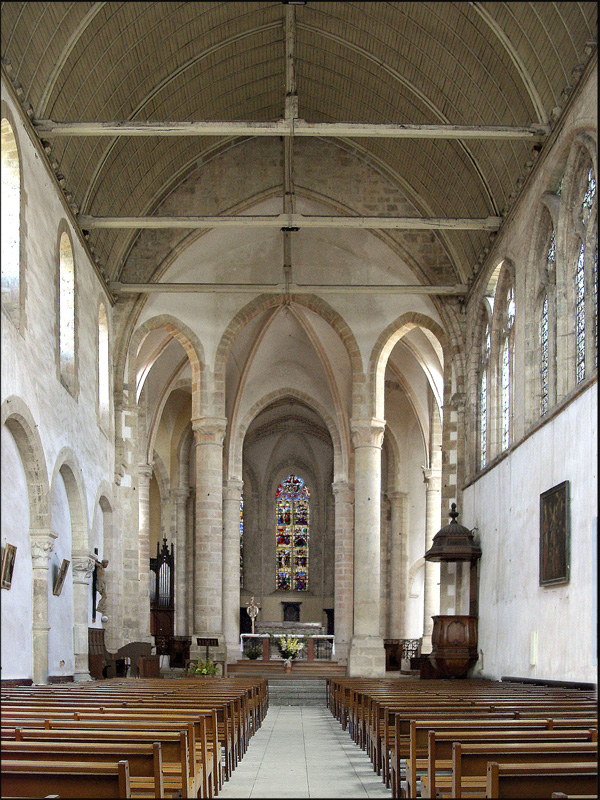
303,752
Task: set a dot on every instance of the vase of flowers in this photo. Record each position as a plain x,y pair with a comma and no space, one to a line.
290,647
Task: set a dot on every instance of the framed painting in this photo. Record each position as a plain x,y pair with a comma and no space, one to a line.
8,565
554,535
60,578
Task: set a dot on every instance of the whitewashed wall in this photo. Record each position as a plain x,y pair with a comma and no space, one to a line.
29,373
60,608
504,505
16,602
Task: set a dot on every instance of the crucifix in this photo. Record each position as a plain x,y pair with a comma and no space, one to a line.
252,611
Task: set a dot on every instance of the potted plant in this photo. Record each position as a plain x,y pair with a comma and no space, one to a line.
254,651
200,667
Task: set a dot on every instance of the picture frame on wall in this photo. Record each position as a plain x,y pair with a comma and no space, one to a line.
60,578
8,565
555,535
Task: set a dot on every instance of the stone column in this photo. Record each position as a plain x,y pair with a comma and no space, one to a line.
42,544
367,655
82,565
181,594
144,476
343,570
398,536
232,495
208,601
431,589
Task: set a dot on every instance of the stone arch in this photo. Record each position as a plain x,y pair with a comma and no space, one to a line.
67,465
483,318
19,420
385,344
264,302
237,437
393,451
192,347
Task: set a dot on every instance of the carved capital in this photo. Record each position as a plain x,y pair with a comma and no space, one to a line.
82,566
458,401
180,495
232,490
396,496
145,470
42,545
367,432
431,474
343,492
209,430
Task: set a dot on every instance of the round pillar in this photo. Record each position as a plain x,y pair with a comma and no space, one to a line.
343,576
367,654
232,496
82,565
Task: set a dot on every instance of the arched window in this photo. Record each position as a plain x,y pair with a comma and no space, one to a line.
11,223
103,366
544,357
585,280
293,522
506,356
66,312
483,395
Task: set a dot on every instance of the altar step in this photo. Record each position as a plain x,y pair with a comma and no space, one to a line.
297,692
300,669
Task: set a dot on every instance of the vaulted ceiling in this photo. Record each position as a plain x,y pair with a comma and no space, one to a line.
436,64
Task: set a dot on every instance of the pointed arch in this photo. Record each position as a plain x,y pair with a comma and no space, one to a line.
264,302
190,343
384,345
236,439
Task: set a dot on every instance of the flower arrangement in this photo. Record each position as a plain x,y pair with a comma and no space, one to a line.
254,651
289,646
199,667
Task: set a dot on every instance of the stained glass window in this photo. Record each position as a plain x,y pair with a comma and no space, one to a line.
505,394
506,367
293,522
551,254
485,357
595,285
483,418
66,310
242,541
544,357
580,315
588,197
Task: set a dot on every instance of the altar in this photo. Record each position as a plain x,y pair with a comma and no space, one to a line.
292,628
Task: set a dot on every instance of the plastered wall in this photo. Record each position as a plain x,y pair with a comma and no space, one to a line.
504,505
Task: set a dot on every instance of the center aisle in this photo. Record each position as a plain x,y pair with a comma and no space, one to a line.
303,752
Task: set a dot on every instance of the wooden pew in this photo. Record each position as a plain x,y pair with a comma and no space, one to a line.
66,778
540,780
174,749
470,760
145,760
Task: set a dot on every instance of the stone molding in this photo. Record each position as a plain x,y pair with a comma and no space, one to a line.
431,474
209,430
367,432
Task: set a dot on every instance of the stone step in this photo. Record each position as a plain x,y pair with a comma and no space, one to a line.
297,692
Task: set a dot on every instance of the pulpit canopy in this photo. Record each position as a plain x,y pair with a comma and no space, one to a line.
453,542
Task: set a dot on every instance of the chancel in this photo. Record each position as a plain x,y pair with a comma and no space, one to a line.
283,286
